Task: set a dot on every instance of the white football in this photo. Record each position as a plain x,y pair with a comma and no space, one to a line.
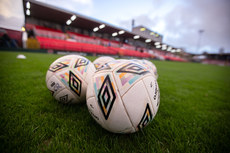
102,60
123,96
149,65
67,78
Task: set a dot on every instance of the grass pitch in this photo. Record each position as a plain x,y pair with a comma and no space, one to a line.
194,113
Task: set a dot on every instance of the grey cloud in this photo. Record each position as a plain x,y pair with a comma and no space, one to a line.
11,22
183,22
72,5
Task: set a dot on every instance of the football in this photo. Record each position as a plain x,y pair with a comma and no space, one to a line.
102,60
149,65
67,78
123,96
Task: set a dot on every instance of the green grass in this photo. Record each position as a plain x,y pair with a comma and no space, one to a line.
194,114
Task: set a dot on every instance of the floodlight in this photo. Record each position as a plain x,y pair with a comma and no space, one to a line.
23,29
101,26
157,43
152,33
73,17
169,48
95,29
28,12
148,40
136,37
114,34
121,32
164,47
28,5
68,22
158,46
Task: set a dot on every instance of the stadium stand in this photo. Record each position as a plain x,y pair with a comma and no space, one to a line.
54,34
79,36
10,38
71,41
216,59
65,45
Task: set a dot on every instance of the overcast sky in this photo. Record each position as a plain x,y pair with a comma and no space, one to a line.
177,20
